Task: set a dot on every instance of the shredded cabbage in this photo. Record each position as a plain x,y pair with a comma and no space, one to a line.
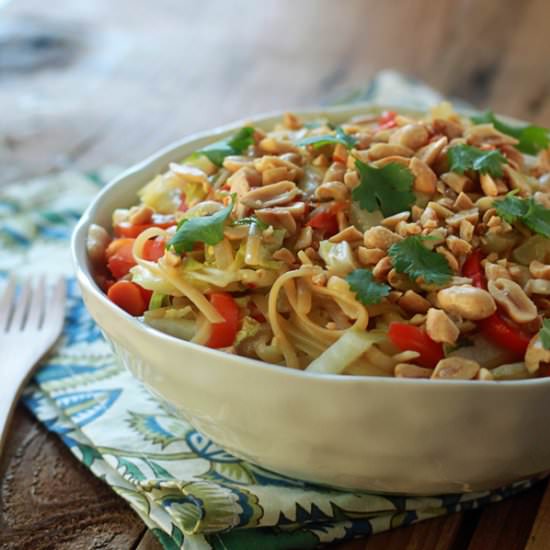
362,218
148,280
202,162
180,328
163,193
347,349
172,320
249,328
536,247
484,352
511,371
338,257
493,242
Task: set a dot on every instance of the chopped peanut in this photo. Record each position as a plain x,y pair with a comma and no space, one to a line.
440,327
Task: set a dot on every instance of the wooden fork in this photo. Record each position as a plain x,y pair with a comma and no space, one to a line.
30,323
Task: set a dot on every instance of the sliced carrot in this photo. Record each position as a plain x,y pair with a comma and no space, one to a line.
153,249
116,245
128,296
120,258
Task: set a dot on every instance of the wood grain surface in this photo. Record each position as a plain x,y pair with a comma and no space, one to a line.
84,84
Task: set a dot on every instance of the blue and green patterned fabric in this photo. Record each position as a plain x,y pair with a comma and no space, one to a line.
189,491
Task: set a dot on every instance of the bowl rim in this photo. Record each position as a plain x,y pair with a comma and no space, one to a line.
86,280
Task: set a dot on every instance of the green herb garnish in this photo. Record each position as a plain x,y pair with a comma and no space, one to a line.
532,139
465,157
206,229
532,214
329,139
367,290
388,189
411,257
233,145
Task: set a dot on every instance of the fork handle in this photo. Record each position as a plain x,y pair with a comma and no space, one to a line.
11,388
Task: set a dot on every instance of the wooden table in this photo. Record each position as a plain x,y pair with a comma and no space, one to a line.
85,83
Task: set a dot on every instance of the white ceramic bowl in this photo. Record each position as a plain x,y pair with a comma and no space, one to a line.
379,434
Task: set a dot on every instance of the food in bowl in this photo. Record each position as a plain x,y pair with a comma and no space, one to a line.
390,245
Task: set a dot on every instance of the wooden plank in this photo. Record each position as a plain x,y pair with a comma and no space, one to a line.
149,542
530,97
49,500
506,525
138,79
539,537
434,534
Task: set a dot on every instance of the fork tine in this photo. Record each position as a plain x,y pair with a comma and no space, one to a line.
36,307
6,304
21,306
59,297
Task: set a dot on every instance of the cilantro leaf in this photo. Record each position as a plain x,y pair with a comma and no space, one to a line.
233,145
544,334
532,214
465,157
367,290
532,139
411,257
327,139
511,208
251,220
537,218
206,229
388,189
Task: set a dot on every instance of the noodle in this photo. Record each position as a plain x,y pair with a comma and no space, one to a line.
194,295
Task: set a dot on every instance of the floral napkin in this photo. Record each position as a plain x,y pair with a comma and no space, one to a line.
191,493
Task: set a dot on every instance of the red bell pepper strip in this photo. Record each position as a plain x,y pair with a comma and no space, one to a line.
387,120
408,337
504,334
223,334
495,328
145,294
473,269
325,221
